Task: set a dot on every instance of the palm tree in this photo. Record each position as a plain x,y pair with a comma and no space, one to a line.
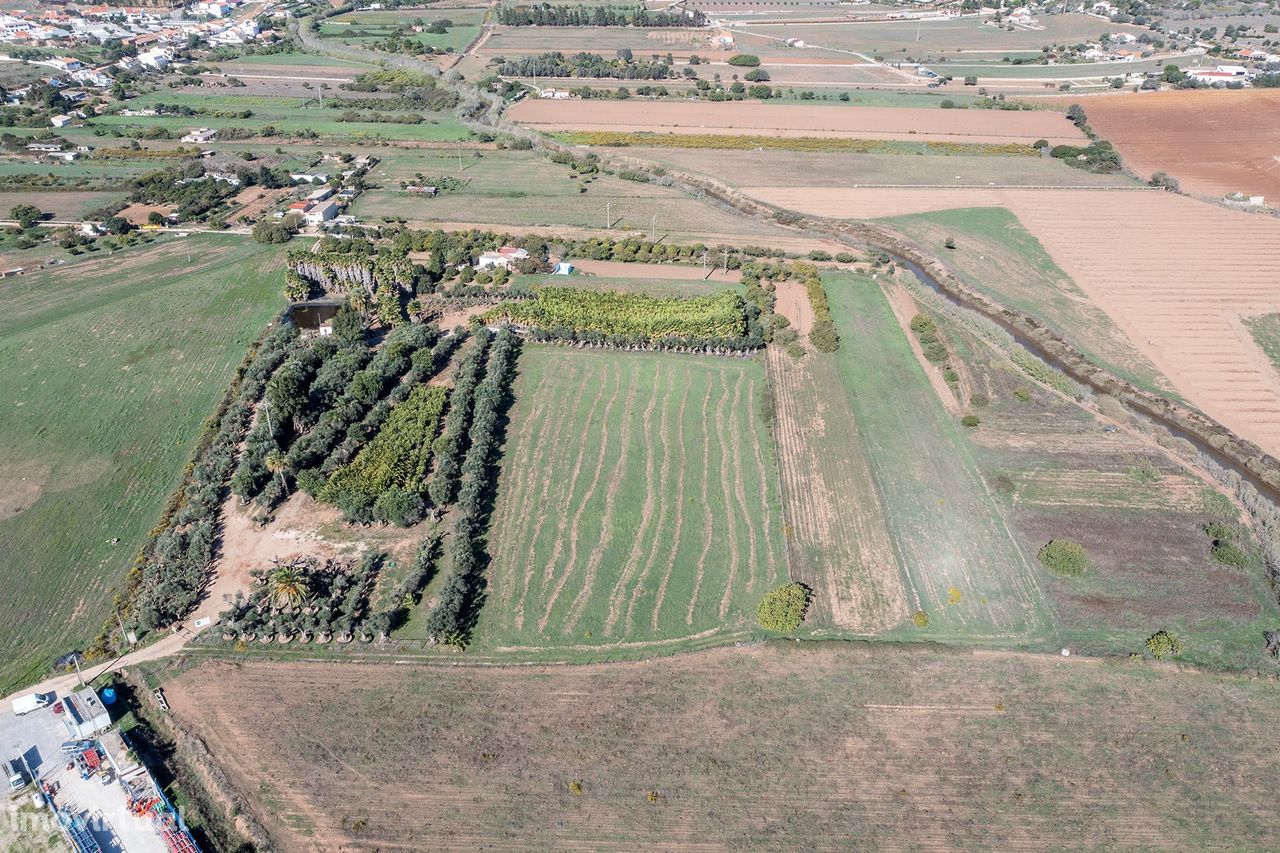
288,587
278,465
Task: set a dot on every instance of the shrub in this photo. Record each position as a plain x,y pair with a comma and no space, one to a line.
1229,555
744,60
970,421
920,619
1162,645
1064,557
783,609
756,75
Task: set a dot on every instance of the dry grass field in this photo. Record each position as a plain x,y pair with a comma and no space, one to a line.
830,747
1213,142
758,172
745,117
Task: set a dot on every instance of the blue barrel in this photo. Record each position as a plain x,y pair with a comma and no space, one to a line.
108,696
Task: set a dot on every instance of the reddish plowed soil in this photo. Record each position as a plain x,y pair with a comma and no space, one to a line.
1213,142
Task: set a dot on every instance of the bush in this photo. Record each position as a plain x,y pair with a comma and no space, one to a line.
783,609
744,60
1162,645
1229,555
756,75
920,619
1064,557
970,421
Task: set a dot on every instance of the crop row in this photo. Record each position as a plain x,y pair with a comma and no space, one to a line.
629,318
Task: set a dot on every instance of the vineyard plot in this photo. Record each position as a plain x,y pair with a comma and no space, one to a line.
637,502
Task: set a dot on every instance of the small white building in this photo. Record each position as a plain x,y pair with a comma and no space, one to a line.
60,120
200,136
503,258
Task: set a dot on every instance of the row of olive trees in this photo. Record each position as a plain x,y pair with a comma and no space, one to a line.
451,618
179,562
448,447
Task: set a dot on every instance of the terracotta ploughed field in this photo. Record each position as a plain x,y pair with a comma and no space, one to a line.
831,747
1213,142
1177,276
910,123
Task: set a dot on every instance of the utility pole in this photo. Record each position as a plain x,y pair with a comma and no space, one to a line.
266,410
726,259
653,228
459,157
608,215
79,675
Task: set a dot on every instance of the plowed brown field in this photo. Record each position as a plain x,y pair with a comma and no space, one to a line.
1213,142
1176,275
746,118
817,747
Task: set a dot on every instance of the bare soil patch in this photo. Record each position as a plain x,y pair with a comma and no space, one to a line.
792,302
1213,142
908,123
255,201
138,213
301,527
810,747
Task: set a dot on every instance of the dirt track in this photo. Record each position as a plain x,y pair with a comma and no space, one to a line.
747,118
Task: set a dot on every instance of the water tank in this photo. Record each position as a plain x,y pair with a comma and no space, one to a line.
108,696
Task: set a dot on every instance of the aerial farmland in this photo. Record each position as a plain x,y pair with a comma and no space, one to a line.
728,425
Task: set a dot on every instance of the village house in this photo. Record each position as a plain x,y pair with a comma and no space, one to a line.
200,136
502,258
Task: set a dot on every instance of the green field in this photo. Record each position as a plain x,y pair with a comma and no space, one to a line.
1266,332
995,254
361,28
638,502
289,115
948,532
109,372
522,188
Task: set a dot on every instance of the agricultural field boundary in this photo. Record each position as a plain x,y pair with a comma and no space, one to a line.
1241,452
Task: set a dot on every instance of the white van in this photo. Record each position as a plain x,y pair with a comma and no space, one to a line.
12,770
31,702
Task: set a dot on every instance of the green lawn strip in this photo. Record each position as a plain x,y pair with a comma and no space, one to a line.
109,374
707,504
948,530
1039,288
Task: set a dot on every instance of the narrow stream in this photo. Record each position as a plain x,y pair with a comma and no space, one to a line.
1048,358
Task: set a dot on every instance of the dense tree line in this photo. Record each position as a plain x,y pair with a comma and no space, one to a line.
451,619
449,446
547,15
381,282
556,64
177,565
